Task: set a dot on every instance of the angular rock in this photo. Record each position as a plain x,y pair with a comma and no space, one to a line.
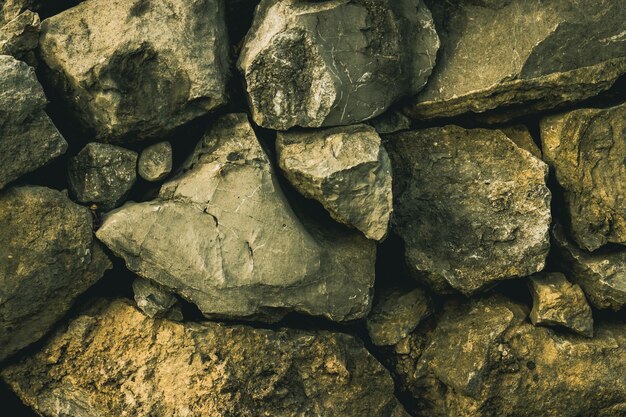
28,138
117,361
20,37
156,302
344,168
315,64
48,257
522,138
102,174
223,236
557,302
139,68
471,207
523,55
397,313
390,122
155,162
587,149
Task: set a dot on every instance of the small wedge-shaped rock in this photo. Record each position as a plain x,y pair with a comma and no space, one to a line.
344,168
138,68
557,302
337,62
155,162
587,149
115,361
155,301
471,206
48,257
223,236
102,174
510,53
28,139
20,37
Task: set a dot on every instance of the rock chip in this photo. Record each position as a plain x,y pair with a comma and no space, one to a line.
557,302
522,138
331,63
223,236
525,55
344,168
102,174
155,162
155,301
471,206
20,37
28,138
117,361
587,149
390,122
47,258
138,68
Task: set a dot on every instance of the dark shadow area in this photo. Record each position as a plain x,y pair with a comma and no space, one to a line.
11,405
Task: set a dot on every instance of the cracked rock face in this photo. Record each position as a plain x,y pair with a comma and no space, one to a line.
117,361
155,162
223,236
587,148
28,138
140,68
344,168
20,37
531,52
48,257
471,206
337,62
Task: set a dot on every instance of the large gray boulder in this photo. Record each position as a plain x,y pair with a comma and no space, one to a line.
138,68
48,256
223,236
331,63
471,206
522,55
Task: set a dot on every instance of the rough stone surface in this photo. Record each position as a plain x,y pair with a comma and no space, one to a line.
396,313
139,68
344,168
471,206
48,257
117,361
155,301
102,174
20,37
482,359
223,236
338,62
587,148
390,122
522,52
28,138
155,162
522,138
557,302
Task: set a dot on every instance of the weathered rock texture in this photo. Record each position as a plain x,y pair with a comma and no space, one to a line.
117,361
20,37
47,258
136,69
155,301
223,236
587,148
155,162
344,168
522,138
471,206
531,52
338,62
28,138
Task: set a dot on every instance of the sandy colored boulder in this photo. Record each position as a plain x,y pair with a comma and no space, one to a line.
20,37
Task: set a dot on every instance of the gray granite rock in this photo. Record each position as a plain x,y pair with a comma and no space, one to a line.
223,236
102,174
331,63
48,257
139,68
155,162
20,37
28,138
587,149
471,206
156,302
344,168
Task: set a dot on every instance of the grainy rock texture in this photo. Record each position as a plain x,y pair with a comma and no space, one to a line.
587,148
344,168
155,162
471,206
390,122
223,236
28,139
139,68
102,174
47,258
338,62
531,52
155,301
117,361
522,138
20,37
